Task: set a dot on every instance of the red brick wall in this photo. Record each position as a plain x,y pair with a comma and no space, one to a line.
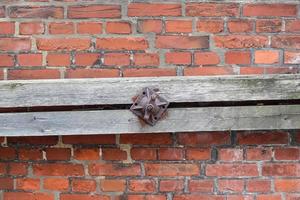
182,166
52,38
42,39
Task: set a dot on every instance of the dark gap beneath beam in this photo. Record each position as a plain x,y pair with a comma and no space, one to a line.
127,106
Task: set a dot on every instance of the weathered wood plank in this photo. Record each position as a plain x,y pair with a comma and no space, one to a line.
177,120
121,90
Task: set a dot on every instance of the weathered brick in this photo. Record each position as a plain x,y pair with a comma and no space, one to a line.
91,139
171,169
149,25
141,185
106,169
154,139
275,137
268,26
241,41
143,153
91,73
178,26
30,154
113,154
83,197
212,9
55,169
57,184
204,138
118,27
16,168
15,44
86,154
58,59
29,184
210,26
281,169
198,154
33,140
153,9
61,28
89,28
240,26
171,185
203,186
6,183
206,58
198,197
230,185
58,153
7,60
113,185
291,57
231,170
7,28
287,153
94,11
30,60
33,74
7,153
146,59
86,59
178,58
266,57
238,57
171,154
286,41
292,25
181,42
127,43
287,185
116,59
31,28
83,185
68,44
36,12
257,185
27,196
259,153
230,154
270,10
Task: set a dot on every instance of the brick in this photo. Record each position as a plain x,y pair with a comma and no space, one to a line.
292,25
292,196
17,169
291,57
113,154
198,197
281,70
33,140
94,11
276,137
27,196
116,59
126,43
203,186
146,197
146,139
231,186
238,57
204,138
89,28
83,185
30,184
106,169
153,9
149,72
240,41
15,44
230,154
30,60
268,197
149,25
55,169
268,26
36,12
1,75
30,154
61,28
2,11
7,153
3,168
58,60
182,42
58,184
7,60
6,184
171,186
198,154
259,153
86,154
171,170
178,26
33,74
240,26
87,59
208,71
263,186
58,153
83,197
251,70
283,169
142,185
287,153
146,59
113,185
178,58
118,27
171,154
240,197
266,57
206,58
231,170
92,73
210,26
7,28
287,185
286,41
67,44
212,9
270,10
31,28
90,139
143,154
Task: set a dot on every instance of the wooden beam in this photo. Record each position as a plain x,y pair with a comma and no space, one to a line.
30,93
177,120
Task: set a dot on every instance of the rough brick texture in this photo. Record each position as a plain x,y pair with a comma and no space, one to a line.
178,166
148,38
53,39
